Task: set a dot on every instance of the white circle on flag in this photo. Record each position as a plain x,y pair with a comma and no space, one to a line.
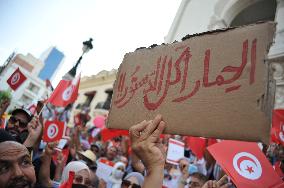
52,131
15,78
281,136
66,95
247,165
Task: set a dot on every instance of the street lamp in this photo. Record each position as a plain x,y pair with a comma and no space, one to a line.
87,46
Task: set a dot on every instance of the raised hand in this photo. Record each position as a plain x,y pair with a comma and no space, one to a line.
222,183
35,131
146,144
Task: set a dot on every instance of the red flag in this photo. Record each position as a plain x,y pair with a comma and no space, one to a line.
16,79
105,161
277,131
69,182
197,145
65,93
277,167
53,131
245,163
108,134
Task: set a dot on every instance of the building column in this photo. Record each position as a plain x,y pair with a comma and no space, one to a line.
276,56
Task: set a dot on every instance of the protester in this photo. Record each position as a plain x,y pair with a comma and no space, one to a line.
133,180
115,179
196,180
24,128
82,173
16,168
88,157
111,153
17,125
141,165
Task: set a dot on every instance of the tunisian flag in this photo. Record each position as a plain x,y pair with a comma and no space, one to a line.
277,131
16,79
53,131
65,93
245,164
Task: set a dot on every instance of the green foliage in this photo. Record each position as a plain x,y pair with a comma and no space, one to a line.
5,95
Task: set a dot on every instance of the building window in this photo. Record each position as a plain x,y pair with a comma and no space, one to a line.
107,103
26,100
33,88
259,11
90,96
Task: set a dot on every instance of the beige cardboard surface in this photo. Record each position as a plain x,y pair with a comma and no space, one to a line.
210,85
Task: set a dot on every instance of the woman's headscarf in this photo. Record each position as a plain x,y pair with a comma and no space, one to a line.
137,175
74,166
113,181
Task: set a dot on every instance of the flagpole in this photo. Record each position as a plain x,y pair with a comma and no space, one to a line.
41,110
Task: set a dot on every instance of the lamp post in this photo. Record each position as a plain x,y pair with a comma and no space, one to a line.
87,46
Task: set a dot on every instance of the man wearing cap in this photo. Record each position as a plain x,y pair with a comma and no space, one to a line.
23,127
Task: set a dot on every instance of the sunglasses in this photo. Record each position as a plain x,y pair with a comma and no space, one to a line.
22,124
128,183
80,180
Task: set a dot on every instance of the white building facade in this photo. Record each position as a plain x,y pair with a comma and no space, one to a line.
196,16
33,88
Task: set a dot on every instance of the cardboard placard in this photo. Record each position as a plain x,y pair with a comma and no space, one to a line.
211,85
175,151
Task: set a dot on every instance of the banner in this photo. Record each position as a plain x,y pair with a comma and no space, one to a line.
175,151
210,85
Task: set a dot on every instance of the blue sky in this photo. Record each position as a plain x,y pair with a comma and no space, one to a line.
117,27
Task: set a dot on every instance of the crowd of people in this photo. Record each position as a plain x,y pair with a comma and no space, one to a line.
137,160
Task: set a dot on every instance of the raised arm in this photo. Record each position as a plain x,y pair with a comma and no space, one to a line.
147,146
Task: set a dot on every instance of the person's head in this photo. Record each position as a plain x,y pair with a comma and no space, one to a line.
111,153
118,170
81,170
96,149
88,157
17,125
183,164
16,168
196,180
123,159
133,180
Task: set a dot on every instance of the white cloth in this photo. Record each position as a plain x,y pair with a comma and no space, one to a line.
113,182
74,166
